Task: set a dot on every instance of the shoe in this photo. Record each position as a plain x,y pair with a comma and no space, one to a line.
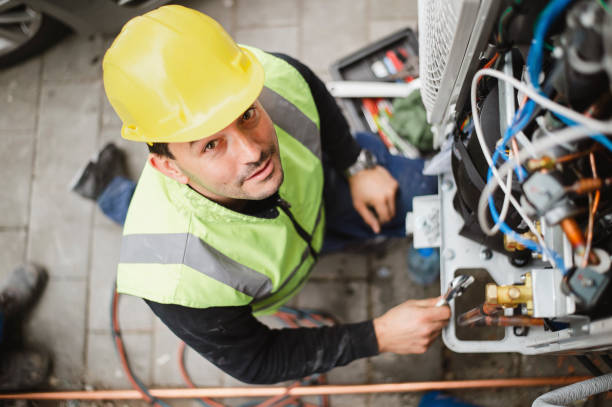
23,369
112,160
21,289
96,175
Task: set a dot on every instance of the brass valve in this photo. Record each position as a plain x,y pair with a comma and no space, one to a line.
510,296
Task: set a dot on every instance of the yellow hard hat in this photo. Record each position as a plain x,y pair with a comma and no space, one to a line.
175,75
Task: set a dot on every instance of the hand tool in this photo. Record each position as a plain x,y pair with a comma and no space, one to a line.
455,289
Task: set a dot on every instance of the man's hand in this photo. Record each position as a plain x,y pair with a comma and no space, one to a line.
411,326
374,188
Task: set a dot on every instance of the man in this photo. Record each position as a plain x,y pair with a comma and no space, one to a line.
229,213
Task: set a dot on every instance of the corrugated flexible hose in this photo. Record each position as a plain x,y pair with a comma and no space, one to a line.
566,395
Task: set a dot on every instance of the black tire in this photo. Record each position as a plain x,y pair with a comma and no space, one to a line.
49,32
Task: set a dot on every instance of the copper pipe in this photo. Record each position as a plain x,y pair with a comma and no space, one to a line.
232,392
487,320
576,238
573,232
586,185
593,204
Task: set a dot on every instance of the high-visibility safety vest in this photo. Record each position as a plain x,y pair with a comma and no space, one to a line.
181,248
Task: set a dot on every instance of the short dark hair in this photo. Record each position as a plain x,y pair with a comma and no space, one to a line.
160,149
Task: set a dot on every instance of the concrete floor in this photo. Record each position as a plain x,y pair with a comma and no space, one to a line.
54,116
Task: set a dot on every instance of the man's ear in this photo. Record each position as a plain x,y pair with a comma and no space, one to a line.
168,167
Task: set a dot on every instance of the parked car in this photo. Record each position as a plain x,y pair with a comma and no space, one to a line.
28,27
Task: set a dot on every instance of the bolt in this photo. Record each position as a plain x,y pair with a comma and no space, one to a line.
514,293
486,254
447,185
523,277
449,254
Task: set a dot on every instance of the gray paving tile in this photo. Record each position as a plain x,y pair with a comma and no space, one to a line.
388,292
382,28
355,372
481,365
134,314
491,397
325,39
393,9
104,370
341,266
221,10
389,367
324,75
546,365
61,245
166,369
345,300
109,117
395,399
58,324
267,13
77,59
273,39
19,87
350,400
397,287
13,243
17,156
66,138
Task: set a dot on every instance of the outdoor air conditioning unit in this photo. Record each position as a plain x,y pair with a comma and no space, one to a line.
541,285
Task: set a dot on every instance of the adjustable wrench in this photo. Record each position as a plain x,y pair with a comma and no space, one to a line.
455,289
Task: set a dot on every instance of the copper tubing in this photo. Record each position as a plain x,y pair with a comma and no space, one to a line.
573,232
586,185
232,392
485,309
487,320
491,315
576,238
593,205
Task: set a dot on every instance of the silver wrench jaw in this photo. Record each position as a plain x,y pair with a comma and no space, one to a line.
455,289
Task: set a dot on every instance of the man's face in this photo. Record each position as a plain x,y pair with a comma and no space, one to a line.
240,162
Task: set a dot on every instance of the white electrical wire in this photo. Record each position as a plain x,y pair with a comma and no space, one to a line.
487,154
525,142
593,124
598,126
566,135
505,205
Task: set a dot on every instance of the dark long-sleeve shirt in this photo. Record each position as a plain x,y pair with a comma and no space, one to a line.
234,340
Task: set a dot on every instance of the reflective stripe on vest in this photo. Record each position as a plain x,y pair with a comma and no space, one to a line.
188,249
289,118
